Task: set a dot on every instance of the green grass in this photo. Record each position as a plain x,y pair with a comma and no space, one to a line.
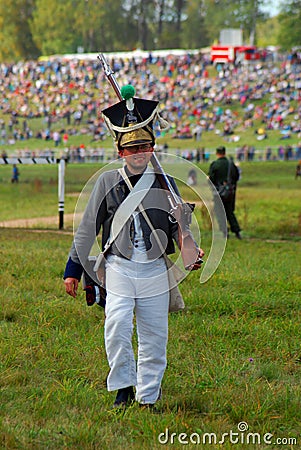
233,355
267,202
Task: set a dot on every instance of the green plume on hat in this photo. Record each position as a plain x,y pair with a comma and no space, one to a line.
128,91
130,121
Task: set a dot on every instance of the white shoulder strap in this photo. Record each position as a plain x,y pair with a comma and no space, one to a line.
174,271
132,201
141,209
128,206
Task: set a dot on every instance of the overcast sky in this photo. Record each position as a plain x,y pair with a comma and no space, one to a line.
272,8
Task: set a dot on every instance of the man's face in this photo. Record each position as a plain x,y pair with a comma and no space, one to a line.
137,157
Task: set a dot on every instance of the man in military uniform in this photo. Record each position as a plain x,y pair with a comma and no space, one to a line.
220,173
136,273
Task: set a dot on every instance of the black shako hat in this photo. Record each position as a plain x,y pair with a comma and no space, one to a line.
130,121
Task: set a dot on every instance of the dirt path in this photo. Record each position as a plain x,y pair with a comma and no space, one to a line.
51,221
36,221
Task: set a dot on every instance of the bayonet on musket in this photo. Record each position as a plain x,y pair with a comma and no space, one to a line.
110,75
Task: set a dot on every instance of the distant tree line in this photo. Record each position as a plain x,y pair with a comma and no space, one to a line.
31,28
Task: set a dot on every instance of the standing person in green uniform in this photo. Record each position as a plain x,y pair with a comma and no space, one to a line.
219,174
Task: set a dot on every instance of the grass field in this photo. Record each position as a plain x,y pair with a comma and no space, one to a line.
234,356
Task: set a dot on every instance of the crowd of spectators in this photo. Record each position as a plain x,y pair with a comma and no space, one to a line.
68,95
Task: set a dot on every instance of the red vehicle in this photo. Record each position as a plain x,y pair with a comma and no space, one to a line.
222,54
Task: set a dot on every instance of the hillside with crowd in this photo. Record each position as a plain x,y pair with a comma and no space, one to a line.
57,98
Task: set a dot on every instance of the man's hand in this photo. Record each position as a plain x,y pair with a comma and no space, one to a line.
197,265
71,285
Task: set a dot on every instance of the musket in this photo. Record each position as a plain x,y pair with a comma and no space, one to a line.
179,210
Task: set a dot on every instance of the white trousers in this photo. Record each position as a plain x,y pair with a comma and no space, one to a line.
143,287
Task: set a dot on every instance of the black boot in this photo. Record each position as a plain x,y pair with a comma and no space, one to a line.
123,397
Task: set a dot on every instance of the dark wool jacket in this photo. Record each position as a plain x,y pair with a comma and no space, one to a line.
218,171
108,193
